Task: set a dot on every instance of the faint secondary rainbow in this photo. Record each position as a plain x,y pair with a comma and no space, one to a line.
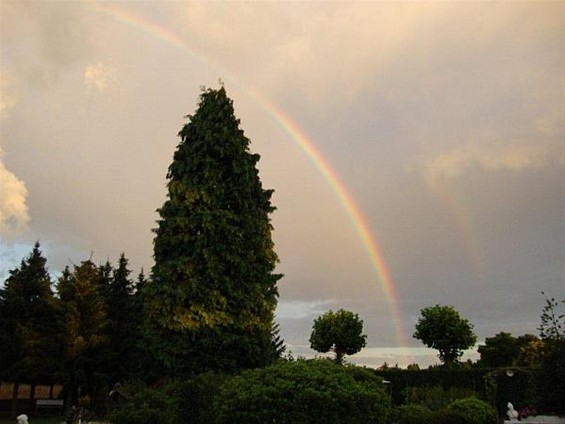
305,144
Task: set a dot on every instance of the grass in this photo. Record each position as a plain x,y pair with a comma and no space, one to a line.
34,420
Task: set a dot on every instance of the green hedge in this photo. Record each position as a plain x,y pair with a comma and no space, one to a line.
401,380
468,410
315,391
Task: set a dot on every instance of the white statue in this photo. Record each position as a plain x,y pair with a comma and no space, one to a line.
512,413
22,419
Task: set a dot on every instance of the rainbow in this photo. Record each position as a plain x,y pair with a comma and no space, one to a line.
304,143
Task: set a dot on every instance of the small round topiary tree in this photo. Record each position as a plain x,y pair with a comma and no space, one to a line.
340,332
475,410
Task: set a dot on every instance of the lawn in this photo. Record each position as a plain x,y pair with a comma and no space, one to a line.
34,420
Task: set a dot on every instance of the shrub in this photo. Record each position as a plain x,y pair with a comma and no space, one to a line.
196,398
315,391
412,414
448,416
147,405
475,411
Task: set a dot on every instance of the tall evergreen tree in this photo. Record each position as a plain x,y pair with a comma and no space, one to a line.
212,296
28,322
85,322
123,321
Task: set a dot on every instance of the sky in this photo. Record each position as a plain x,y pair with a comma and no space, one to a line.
416,149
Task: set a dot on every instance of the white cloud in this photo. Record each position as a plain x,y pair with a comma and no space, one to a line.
99,77
301,309
14,214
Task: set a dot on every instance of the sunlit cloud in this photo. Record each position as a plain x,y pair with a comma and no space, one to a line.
14,214
99,77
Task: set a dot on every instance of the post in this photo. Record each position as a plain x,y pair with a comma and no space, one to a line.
15,399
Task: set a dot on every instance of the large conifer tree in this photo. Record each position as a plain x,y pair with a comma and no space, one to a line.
28,346
212,296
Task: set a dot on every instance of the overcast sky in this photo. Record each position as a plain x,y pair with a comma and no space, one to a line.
443,121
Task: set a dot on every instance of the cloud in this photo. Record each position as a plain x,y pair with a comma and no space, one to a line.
54,31
301,309
99,77
7,99
401,51
14,214
514,158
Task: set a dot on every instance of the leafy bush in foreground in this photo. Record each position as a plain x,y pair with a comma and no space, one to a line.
475,411
412,414
317,391
145,405
197,396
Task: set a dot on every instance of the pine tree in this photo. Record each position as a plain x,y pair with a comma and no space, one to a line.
28,322
123,319
212,294
85,321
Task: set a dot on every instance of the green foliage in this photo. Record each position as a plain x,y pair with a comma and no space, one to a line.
412,414
28,322
85,338
475,411
552,325
124,330
210,304
442,328
551,374
502,350
456,378
146,405
531,348
436,397
340,332
448,416
197,396
505,350
315,391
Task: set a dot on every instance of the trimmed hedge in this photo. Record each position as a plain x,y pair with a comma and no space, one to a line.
436,397
314,391
401,380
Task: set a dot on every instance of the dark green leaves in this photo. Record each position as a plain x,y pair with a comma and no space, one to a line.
213,279
340,332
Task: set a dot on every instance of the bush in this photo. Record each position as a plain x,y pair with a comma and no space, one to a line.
147,405
436,397
315,391
448,416
412,414
475,411
196,398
